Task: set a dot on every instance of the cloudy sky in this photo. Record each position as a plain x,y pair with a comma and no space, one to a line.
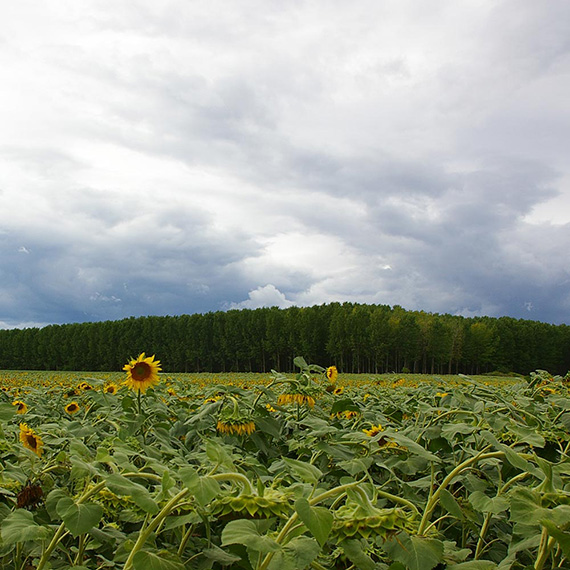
176,156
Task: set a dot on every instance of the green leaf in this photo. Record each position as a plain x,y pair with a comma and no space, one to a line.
415,552
20,526
52,499
143,560
126,488
7,411
218,555
79,517
449,503
318,520
305,472
203,488
355,553
300,362
485,504
298,553
345,405
245,531
411,445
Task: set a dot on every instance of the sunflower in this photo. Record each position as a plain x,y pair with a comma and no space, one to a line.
332,374
30,439
338,391
142,373
374,430
85,386
72,408
236,427
111,389
22,407
300,399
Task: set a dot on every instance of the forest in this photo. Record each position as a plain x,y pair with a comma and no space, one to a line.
357,338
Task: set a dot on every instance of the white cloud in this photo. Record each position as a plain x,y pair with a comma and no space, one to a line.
184,157
266,296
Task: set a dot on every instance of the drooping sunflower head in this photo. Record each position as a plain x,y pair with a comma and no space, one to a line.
296,398
31,440
142,373
111,389
239,426
22,408
374,430
72,408
332,374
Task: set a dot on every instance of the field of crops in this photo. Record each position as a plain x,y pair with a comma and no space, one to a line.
142,470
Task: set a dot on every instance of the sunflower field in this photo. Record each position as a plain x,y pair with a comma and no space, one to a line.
145,470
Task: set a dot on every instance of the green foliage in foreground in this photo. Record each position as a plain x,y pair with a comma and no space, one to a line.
450,474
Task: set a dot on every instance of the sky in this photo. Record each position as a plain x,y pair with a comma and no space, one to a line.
172,157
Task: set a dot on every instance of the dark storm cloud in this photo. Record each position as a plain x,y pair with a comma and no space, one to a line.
162,159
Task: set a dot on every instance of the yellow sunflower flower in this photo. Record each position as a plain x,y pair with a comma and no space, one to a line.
85,386
142,373
374,430
332,374
240,427
300,399
30,440
72,408
22,407
338,391
111,389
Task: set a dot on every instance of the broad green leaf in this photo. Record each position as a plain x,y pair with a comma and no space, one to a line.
7,411
218,455
303,471
126,488
415,552
79,517
144,560
344,405
450,430
410,445
449,503
203,488
245,531
355,553
298,553
218,555
52,499
300,362
485,504
318,520
20,526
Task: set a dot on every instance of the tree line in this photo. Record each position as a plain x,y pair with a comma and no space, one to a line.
356,338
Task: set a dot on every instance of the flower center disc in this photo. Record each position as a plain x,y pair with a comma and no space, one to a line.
141,371
32,441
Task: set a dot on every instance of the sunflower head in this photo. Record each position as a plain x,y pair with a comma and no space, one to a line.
111,389
338,391
332,374
22,408
236,426
85,386
30,440
72,408
374,430
142,373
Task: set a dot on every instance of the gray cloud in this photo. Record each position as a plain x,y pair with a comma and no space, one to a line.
162,159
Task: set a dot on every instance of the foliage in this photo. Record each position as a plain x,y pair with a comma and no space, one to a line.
459,474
